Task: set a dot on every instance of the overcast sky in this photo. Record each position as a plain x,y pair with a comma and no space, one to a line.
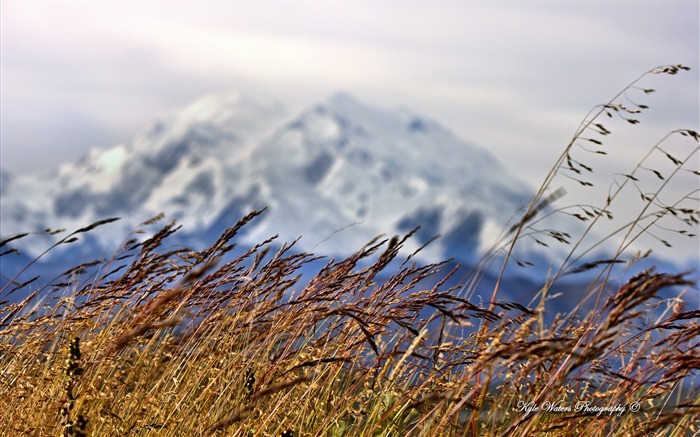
513,77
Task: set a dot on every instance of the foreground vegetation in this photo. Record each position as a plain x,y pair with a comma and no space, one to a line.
179,342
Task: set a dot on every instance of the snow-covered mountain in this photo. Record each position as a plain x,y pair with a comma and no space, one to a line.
337,174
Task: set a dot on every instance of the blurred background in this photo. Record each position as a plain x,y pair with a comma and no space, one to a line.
513,78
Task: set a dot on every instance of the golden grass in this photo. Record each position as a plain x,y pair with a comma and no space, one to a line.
176,342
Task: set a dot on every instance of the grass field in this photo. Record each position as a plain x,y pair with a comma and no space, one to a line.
168,341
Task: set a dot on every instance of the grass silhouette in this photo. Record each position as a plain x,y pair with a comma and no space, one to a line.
169,341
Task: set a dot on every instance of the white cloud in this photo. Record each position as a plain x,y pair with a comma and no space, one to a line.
513,77
508,76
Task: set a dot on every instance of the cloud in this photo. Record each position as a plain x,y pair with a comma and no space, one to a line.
516,78
506,76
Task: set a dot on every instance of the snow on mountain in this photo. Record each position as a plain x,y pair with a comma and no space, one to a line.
342,162
337,174
182,165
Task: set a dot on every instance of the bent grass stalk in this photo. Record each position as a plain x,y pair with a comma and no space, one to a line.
223,341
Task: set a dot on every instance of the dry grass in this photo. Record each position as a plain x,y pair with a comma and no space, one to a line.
176,342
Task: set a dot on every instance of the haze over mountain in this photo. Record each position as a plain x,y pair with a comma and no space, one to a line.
341,172
335,175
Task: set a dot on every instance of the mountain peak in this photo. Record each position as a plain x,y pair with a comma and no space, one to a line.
339,163
344,99
231,109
